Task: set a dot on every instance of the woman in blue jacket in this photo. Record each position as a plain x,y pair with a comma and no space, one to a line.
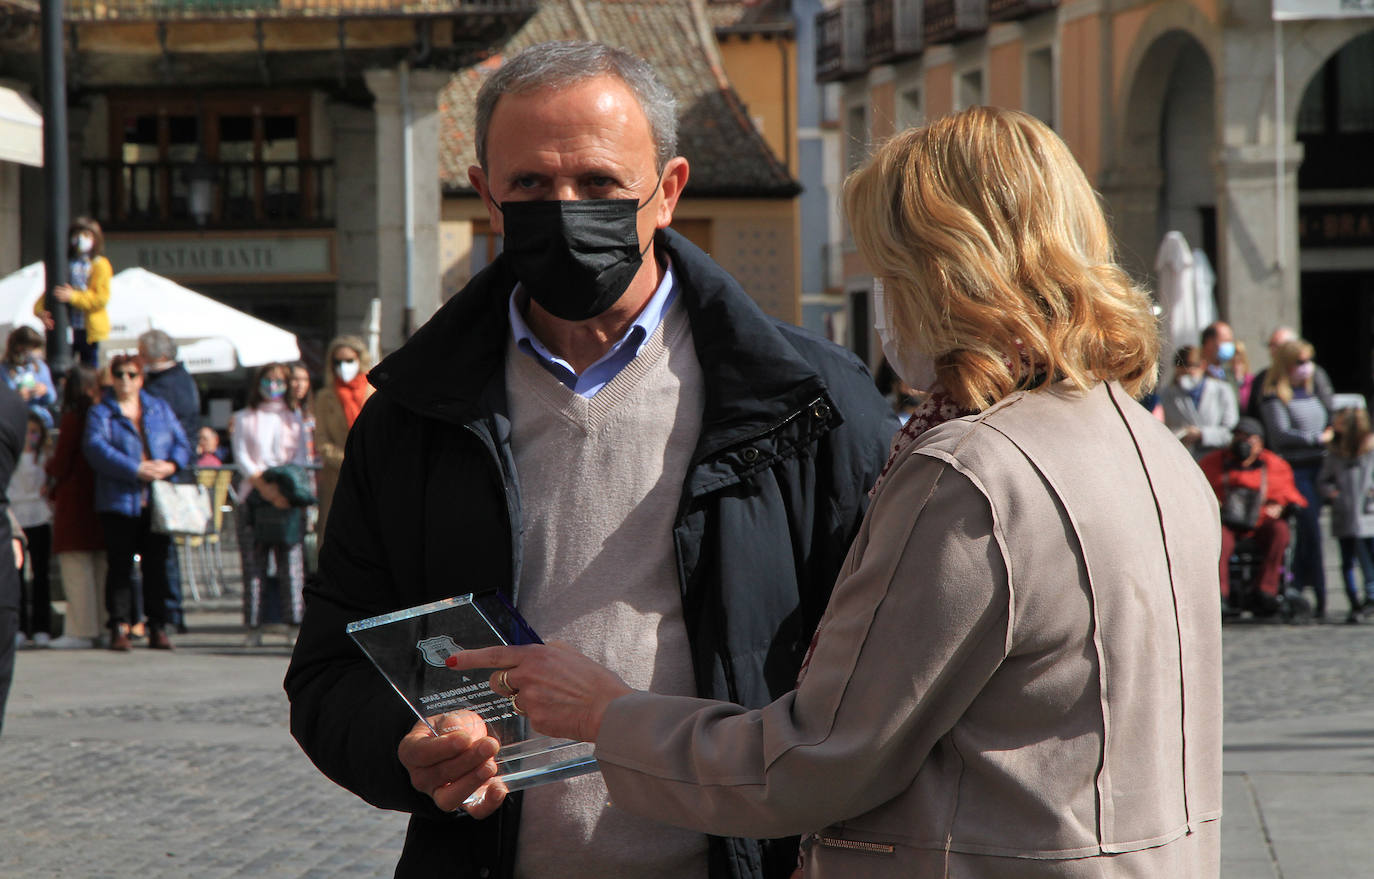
132,439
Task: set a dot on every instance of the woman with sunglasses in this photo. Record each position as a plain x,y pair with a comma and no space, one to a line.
132,439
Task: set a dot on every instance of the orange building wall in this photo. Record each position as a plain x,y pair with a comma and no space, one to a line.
939,96
761,71
882,103
1005,69
1080,62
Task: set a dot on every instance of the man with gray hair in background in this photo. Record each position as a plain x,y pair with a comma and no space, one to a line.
605,427
168,380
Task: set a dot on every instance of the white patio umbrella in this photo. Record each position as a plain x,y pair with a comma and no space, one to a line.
141,300
211,336
18,292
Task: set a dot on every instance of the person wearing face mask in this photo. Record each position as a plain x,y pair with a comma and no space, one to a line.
1321,382
133,438
1019,670
1245,465
25,371
268,434
340,401
88,294
1298,424
1218,349
1200,409
604,426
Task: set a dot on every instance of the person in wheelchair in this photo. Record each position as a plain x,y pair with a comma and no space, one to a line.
1255,489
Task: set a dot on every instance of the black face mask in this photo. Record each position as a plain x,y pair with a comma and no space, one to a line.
575,258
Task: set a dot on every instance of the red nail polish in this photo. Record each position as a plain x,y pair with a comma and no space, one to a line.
451,661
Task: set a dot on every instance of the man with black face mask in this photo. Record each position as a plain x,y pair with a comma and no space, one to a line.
605,427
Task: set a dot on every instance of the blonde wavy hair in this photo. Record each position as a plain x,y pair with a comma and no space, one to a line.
1286,356
996,259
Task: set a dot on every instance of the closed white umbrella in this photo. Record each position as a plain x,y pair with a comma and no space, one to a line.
1176,291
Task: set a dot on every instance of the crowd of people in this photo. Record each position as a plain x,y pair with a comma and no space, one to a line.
81,495
1277,448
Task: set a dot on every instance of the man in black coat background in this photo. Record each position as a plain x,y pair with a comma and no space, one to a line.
165,378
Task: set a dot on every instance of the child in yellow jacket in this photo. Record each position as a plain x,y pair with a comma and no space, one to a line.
88,294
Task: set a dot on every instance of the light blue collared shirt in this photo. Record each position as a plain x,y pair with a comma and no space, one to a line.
626,348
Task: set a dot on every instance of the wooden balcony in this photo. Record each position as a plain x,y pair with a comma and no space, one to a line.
840,42
1010,10
950,20
894,28
252,195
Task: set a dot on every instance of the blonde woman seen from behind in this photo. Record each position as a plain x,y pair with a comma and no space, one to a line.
1035,536
336,408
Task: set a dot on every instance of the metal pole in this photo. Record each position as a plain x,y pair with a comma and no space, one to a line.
56,182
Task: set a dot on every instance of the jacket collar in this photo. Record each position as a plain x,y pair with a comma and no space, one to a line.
452,369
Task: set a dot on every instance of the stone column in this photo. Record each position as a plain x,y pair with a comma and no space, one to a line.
424,87
1258,270
354,139
1132,197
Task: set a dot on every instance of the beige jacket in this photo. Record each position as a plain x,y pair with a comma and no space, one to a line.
1018,675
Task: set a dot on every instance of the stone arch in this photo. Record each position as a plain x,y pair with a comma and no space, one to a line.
1159,171
1166,31
1308,45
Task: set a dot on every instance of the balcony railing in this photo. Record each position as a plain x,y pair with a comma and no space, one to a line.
840,42
948,20
146,10
894,30
1009,10
158,195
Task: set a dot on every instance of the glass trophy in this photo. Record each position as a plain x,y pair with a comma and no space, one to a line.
410,649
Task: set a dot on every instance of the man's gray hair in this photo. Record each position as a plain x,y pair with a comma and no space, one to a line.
562,63
157,346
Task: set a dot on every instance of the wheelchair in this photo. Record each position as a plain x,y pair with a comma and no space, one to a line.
1246,599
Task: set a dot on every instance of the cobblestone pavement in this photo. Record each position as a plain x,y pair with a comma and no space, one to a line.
155,765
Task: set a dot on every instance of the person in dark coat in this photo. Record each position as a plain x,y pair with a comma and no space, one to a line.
78,541
166,379
678,495
14,416
132,439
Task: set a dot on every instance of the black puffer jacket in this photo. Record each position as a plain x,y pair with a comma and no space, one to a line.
428,506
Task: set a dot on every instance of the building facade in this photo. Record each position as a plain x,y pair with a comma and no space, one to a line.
280,156
1250,137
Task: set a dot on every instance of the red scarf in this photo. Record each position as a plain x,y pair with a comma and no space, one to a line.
352,394
937,408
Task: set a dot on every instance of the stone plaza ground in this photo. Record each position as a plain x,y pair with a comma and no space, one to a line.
155,764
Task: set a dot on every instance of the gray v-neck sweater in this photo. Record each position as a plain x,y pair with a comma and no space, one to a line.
600,479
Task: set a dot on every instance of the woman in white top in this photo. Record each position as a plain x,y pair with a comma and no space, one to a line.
267,434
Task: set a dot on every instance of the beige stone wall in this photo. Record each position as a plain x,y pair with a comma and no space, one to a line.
756,243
